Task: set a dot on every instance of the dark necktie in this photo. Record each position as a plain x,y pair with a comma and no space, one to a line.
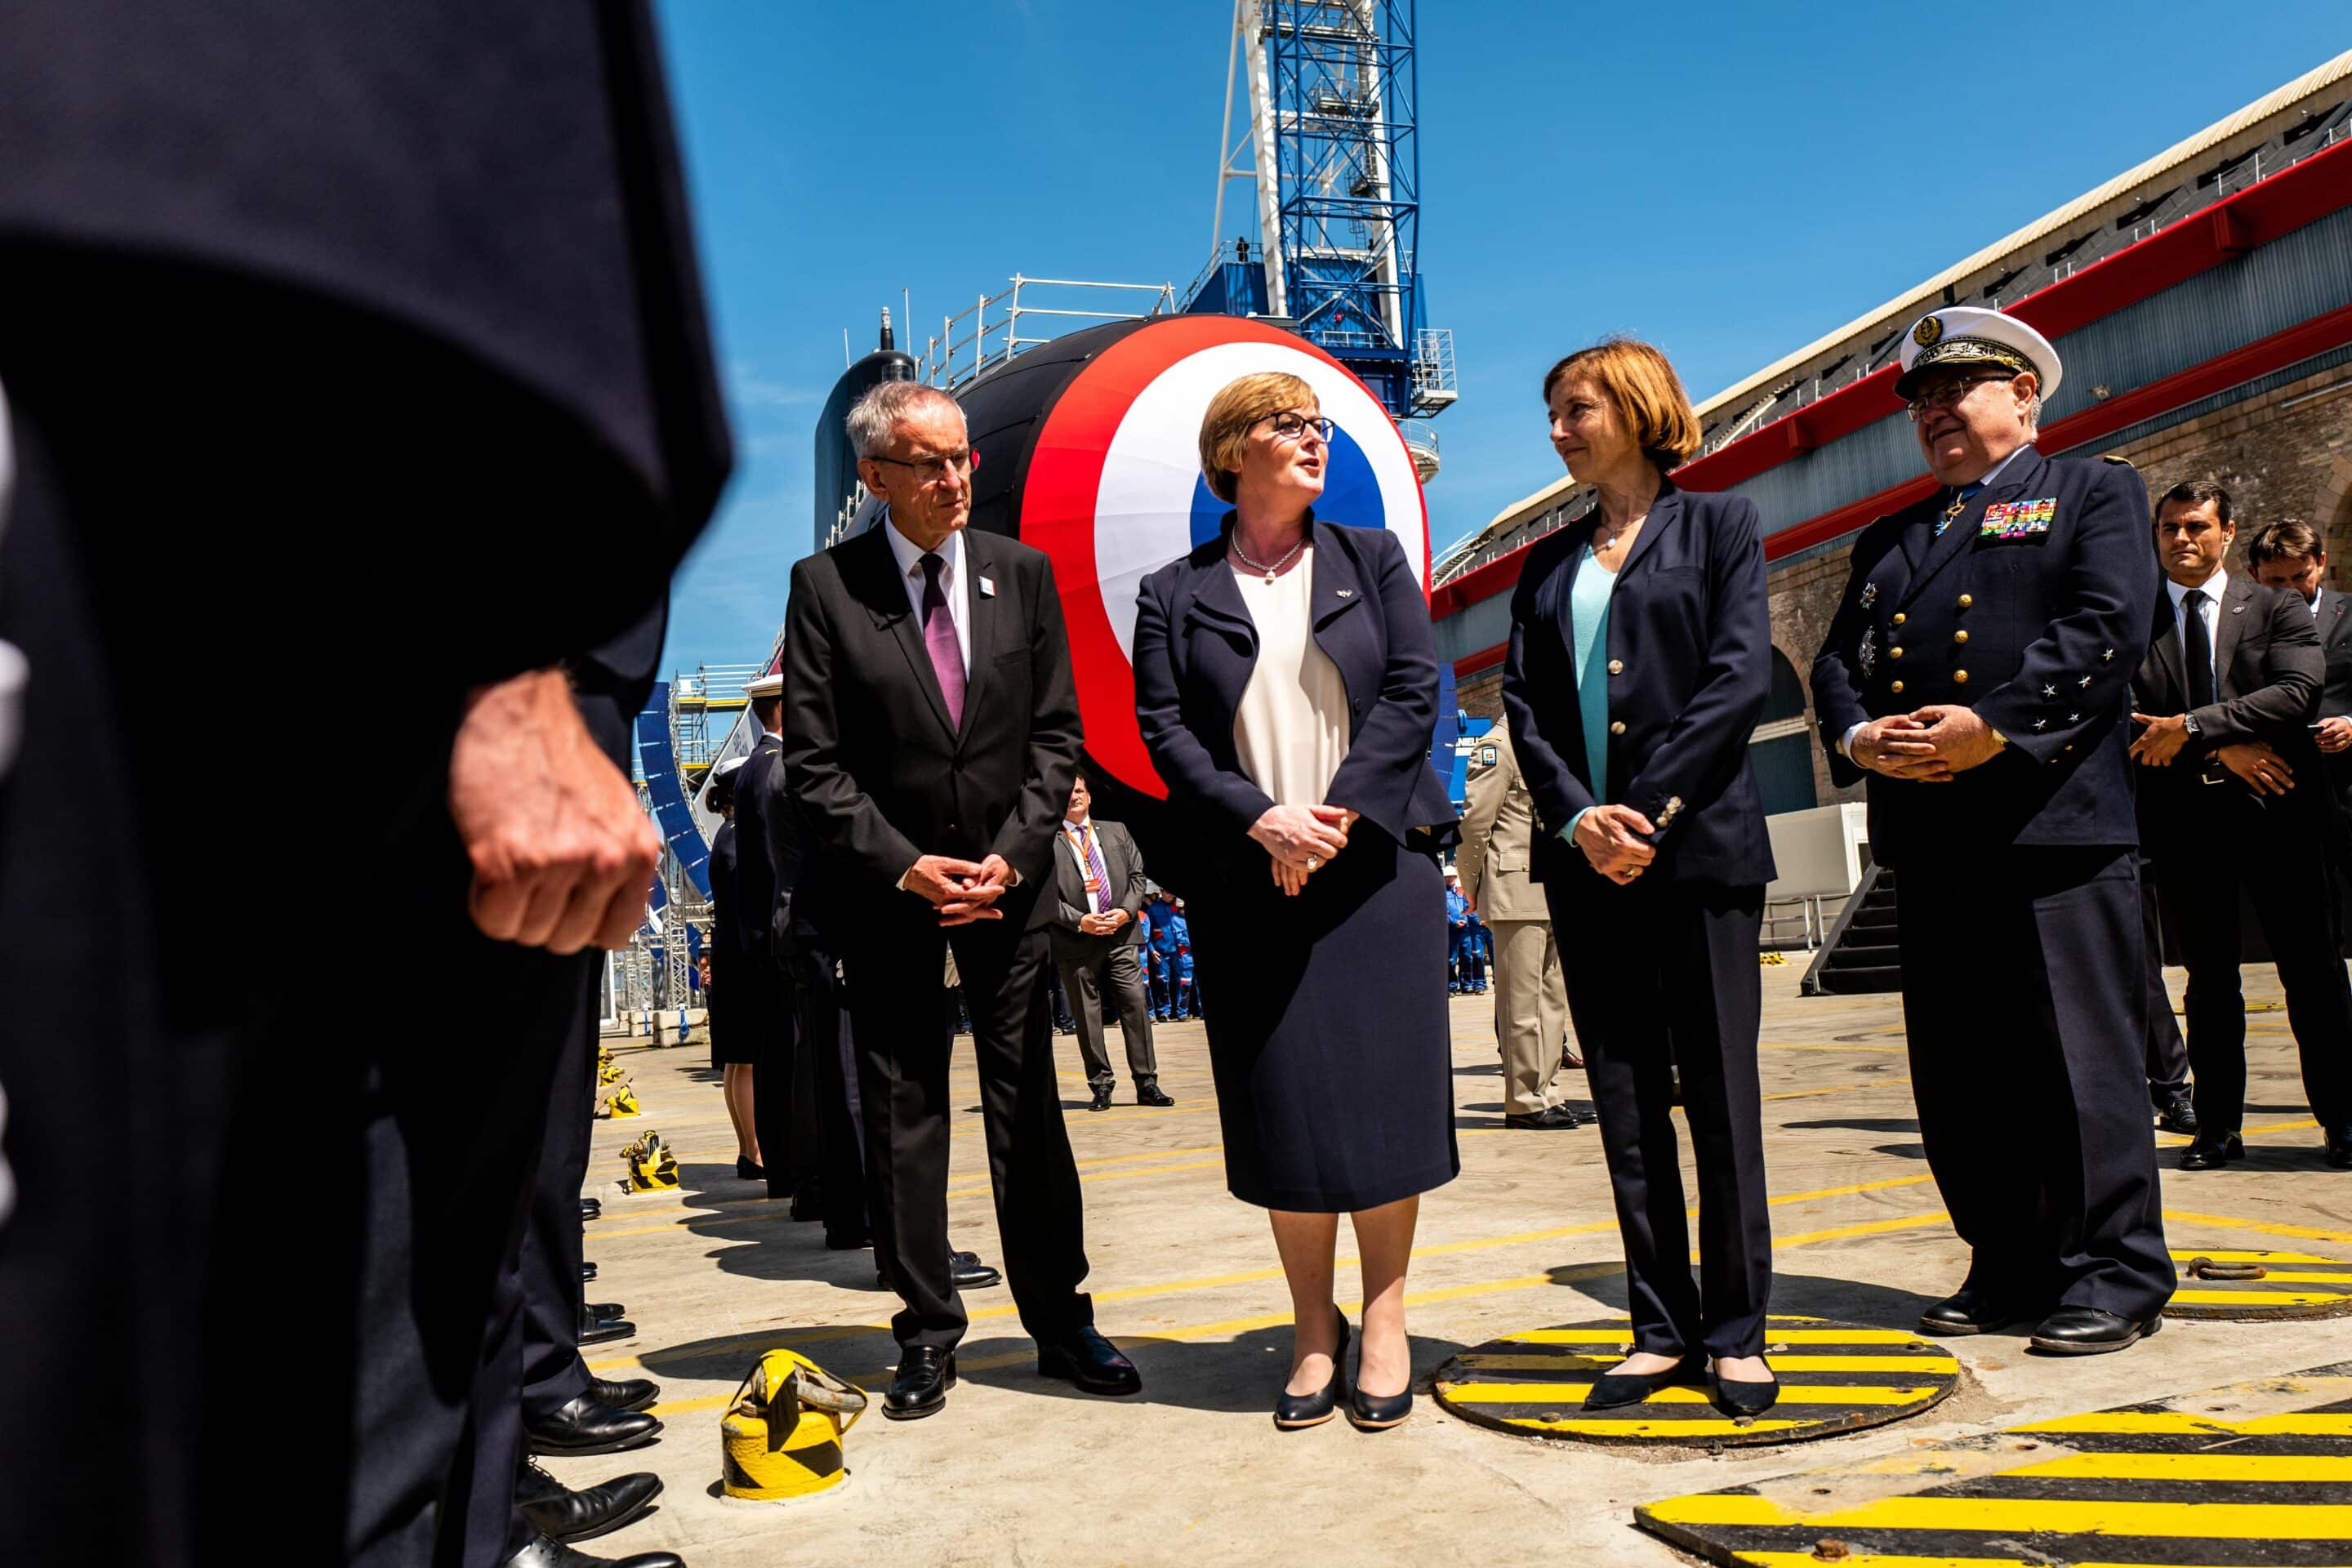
939,637
2197,647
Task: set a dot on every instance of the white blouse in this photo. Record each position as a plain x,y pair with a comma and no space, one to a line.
1291,730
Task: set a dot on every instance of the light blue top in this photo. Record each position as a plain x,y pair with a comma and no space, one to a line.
1588,622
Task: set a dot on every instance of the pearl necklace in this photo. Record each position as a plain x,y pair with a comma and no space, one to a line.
1234,544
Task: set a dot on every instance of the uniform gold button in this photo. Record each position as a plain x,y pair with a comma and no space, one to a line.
1894,653
1966,600
1618,727
1896,688
1961,676
1900,618
1959,637
1616,667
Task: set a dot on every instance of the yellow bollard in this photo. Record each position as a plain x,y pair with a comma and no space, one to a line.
782,1437
651,1166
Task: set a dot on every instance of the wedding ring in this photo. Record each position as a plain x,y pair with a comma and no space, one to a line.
1314,863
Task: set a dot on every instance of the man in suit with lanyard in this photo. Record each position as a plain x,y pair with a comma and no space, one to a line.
1098,899
931,735
1977,674
2235,798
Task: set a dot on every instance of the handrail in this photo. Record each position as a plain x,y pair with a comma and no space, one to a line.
1811,984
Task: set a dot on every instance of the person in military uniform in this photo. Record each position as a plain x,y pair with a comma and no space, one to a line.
1498,829
764,1005
734,1035
1978,675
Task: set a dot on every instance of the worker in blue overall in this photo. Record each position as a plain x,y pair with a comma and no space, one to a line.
1159,955
1180,964
1457,928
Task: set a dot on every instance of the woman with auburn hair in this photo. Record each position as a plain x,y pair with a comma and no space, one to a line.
1640,661
1287,688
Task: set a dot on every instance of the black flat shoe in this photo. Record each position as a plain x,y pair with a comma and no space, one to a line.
1297,1412
592,1209
604,1331
1612,1389
2339,1149
562,1514
587,1274
2086,1331
635,1393
602,1310
1090,1361
544,1552
2176,1114
748,1172
1970,1311
1152,1094
1102,1100
1736,1399
1551,1119
585,1425
2211,1150
969,1273
920,1385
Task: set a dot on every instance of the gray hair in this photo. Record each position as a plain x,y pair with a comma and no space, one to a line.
875,417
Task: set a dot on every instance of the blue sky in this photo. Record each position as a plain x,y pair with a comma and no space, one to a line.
1728,181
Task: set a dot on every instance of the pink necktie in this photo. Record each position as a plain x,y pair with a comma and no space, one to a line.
1094,864
939,637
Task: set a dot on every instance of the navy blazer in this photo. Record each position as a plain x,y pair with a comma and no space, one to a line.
1196,647
1690,662
2036,620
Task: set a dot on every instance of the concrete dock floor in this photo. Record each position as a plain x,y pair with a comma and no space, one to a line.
1018,1469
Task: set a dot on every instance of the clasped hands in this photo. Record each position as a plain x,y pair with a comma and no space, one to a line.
1928,746
1302,840
962,892
2265,771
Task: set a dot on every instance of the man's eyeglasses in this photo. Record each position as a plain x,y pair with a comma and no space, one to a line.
1290,427
931,470
1948,395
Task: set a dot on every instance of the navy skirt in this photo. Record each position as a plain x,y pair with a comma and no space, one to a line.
1328,1032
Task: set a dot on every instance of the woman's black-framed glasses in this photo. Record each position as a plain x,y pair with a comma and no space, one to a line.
1289,427
931,470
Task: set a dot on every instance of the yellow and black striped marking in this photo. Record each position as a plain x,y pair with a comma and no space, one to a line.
2216,1284
1835,1377
2254,1476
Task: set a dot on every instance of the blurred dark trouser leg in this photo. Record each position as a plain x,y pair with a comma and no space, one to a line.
552,1373
823,1025
2167,1053
771,1078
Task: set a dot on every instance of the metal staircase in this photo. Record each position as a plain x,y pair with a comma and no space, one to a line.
1860,957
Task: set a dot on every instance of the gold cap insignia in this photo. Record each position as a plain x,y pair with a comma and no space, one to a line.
1928,331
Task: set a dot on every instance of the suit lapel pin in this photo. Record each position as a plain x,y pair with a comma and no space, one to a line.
2237,609
988,587
1345,593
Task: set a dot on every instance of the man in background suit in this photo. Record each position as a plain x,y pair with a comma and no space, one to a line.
766,1002
932,734
2289,555
1098,899
2233,798
1530,994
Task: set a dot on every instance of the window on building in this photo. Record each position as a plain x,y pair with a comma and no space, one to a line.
1781,748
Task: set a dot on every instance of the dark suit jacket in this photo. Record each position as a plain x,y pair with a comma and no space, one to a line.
2056,613
727,932
1690,643
1196,647
2335,620
759,790
1124,863
2269,667
881,777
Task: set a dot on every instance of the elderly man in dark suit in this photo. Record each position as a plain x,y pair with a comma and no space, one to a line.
1976,673
1098,889
930,736
2234,797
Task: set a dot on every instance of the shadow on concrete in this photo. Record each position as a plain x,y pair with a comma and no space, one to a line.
1857,1124
1494,1118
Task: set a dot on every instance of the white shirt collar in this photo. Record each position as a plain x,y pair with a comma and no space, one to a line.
2212,588
909,555
1985,482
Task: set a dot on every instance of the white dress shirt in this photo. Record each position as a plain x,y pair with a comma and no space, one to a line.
2213,587
909,557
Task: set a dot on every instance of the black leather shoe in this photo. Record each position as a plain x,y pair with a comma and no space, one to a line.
2086,1331
1102,1099
604,1309
1612,1389
2175,1113
2211,1150
604,1331
969,1273
587,1274
546,1552
921,1386
2339,1147
1736,1399
587,1426
748,1172
1377,1412
1152,1094
592,1209
1551,1119
1090,1361
1297,1412
1970,1311
559,1514
635,1393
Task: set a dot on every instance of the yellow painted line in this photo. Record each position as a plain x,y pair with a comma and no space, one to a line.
2280,1467
2260,1297
1771,1334
2171,1423
2183,1254
1668,1427
2301,1276
1870,1227
1838,1089
1490,1362
1574,1393
2261,1227
2025,1516
1752,1559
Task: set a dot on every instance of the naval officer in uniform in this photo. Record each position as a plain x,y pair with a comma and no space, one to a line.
1978,673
